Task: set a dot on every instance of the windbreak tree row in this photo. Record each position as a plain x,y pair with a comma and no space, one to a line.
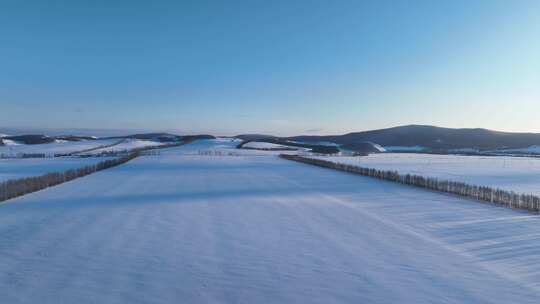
482,193
17,187
148,150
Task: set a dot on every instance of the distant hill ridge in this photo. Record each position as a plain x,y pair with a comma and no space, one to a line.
431,138
434,138
35,139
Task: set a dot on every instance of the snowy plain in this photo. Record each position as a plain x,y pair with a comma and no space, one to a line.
19,168
126,145
529,150
519,174
404,148
181,227
265,145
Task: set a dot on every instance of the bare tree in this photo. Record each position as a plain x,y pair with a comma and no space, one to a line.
481,193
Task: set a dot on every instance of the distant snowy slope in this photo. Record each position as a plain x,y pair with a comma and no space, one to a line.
9,142
404,148
224,146
55,147
127,145
531,150
433,138
265,145
379,148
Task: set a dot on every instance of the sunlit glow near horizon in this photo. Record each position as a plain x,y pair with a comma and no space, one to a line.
277,67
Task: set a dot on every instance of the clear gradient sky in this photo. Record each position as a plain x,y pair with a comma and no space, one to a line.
280,67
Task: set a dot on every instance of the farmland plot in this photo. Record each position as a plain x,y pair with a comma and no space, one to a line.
252,228
51,149
520,174
18,168
126,145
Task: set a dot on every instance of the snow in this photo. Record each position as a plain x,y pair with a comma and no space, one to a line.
186,228
9,142
379,148
531,149
55,147
64,147
405,148
265,145
224,147
320,143
464,150
18,168
520,174
127,145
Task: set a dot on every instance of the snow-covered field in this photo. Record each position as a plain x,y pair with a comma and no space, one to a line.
520,174
265,145
64,147
126,145
186,228
529,150
9,142
404,148
18,168
55,147
223,147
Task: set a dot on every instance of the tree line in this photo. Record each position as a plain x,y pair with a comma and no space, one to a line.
17,187
481,193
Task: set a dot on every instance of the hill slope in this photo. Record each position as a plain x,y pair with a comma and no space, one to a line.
433,138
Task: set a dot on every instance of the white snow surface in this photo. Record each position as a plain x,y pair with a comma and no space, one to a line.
188,228
322,143
531,149
404,148
519,174
10,142
223,147
379,147
464,150
265,145
127,145
18,168
55,147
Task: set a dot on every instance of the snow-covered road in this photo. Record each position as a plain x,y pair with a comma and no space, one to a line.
180,228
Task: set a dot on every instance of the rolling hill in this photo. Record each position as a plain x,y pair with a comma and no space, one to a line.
432,138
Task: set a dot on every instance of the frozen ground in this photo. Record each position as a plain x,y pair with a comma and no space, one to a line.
55,147
18,168
520,174
188,228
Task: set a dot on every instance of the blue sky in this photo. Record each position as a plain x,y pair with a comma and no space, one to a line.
280,67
